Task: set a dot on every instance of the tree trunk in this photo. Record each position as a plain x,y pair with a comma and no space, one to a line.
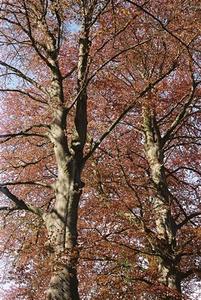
61,222
164,243
64,256
63,284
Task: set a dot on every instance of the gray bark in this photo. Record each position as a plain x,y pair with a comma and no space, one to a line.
164,243
61,222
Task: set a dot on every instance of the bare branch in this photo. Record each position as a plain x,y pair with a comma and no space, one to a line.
188,218
115,56
69,73
195,271
20,204
5,208
181,115
20,74
184,168
24,133
23,93
141,7
29,182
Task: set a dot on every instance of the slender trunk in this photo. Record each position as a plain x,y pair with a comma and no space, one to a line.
164,243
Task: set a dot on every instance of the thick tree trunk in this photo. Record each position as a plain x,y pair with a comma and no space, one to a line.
63,284
64,256
164,243
61,222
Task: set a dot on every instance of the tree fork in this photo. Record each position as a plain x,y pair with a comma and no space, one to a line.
62,221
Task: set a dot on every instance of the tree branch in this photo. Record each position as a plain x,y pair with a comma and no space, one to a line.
184,168
20,74
24,133
158,21
187,219
28,183
181,115
115,56
23,93
124,113
20,204
69,73
195,271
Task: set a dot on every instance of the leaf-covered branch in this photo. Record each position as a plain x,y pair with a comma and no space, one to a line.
129,108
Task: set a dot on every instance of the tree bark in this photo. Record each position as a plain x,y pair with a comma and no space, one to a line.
164,243
61,222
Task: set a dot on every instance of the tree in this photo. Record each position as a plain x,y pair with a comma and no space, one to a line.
166,188
57,84
39,26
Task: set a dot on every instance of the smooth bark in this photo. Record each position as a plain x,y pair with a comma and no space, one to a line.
164,243
61,222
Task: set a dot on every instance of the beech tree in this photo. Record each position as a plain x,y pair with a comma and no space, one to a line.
163,206
39,26
70,100
170,112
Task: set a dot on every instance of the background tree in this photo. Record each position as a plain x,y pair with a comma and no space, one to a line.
167,117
